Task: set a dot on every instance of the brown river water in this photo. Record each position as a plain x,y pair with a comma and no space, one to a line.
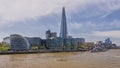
108,59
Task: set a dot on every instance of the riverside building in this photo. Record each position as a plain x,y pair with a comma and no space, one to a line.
20,43
63,42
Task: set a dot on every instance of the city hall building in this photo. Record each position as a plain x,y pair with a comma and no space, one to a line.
20,43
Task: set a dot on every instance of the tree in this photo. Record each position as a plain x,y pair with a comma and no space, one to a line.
4,47
34,47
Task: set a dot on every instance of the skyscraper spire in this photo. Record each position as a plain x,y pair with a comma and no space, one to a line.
63,30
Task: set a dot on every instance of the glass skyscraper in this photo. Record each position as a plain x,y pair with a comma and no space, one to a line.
63,30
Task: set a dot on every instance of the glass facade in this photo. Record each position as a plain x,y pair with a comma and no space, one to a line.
34,41
66,44
18,42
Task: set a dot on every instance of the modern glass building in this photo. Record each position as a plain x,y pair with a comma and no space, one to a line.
59,43
63,29
18,42
50,34
34,41
64,41
54,43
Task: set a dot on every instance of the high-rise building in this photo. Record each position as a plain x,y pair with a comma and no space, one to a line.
63,30
50,34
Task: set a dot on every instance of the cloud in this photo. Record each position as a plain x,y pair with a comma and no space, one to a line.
75,25
21,10
114,34
101,25
98,8
3,35
13,11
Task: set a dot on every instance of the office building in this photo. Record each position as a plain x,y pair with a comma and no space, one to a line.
50,34
18,42
63,29
34,41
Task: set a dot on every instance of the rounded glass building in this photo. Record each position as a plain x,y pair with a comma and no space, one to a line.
18,43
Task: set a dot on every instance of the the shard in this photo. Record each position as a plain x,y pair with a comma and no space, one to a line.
63,30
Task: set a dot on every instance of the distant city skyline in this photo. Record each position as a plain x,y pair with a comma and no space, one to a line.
93,20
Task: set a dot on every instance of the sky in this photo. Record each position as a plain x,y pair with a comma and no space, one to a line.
93,20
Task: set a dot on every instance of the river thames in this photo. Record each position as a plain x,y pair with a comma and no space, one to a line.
108,59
